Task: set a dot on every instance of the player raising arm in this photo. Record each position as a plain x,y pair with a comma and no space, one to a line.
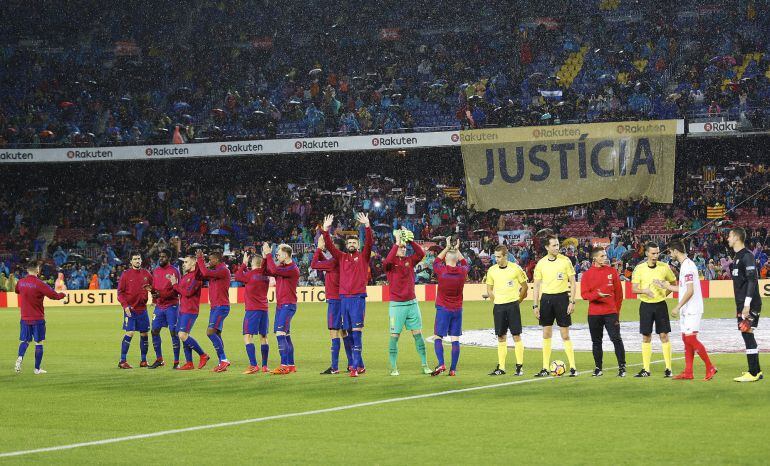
189,288
32,291
451,271
286,275
325,262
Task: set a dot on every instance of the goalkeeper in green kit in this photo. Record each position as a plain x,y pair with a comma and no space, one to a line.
404,311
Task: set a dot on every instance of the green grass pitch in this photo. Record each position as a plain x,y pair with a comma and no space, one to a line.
84,397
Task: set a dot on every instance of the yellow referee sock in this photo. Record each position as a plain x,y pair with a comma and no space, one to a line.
646,355
546,352
519,349
502,351
570,353
667,354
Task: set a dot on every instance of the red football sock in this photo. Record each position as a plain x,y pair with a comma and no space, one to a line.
698,347
689,355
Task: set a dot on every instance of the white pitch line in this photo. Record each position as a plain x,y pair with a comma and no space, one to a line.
280,416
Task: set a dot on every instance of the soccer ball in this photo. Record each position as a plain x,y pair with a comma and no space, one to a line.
558,368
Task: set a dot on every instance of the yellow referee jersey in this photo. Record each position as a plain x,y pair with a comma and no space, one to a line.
554,274
644,275
506,282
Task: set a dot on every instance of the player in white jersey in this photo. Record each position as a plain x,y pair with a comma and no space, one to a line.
690,310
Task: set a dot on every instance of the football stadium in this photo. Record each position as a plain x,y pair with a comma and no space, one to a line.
330,232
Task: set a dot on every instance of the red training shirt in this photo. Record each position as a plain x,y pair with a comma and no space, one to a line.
354,267
331,270
256,283
189,288
607,280
451,281
400,272
32,291
219,282
131,291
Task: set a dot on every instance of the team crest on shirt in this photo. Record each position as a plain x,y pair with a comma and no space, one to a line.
510,283
560,276
609,276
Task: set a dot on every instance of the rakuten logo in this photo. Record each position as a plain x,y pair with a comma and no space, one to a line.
641,128
156,151
224,148
394,141
720,126
299,145
556,132
17,156
89,154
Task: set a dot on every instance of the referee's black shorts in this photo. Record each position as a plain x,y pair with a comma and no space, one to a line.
507,317
654,313
553,307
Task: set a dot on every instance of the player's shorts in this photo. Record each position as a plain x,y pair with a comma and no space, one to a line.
353,311
186,322
654,313
448,323
754,314
217,317
255,323
283,315
507,317
333,314
404,314
553,307
137,322
690,323
165,317
32,330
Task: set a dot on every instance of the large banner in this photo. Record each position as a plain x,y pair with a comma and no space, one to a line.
553,166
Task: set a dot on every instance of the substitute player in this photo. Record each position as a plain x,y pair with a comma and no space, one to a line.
354,275
255,319
555,278
403,309
189,288
133,287
747,300
600,286
286,275
653,308
219,297
451,270
325,262
32,291
689,309
507,287
166,307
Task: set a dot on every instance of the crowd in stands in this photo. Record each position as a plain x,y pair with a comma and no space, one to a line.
95,235
235,70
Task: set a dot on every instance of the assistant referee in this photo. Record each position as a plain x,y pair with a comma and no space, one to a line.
507,287
555,277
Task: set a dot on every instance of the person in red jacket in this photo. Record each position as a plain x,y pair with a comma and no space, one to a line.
133,288
32,291
354,275
403,309
255,320
600,286
286,275
189,289
325,262
166,312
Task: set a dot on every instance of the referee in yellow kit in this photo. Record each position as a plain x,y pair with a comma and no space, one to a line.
653,308
507,287
555,278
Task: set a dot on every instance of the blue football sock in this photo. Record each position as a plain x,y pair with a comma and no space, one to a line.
455,355
219,346
38,355
289,351
23,348
438,345
144,346
357,348
124,347
175,345
265,352
335,353
251,352
282,348
348,342
157,346
187,352
194,345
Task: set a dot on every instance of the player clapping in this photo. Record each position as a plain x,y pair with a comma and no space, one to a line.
255,319
189,288
286,275
451,271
